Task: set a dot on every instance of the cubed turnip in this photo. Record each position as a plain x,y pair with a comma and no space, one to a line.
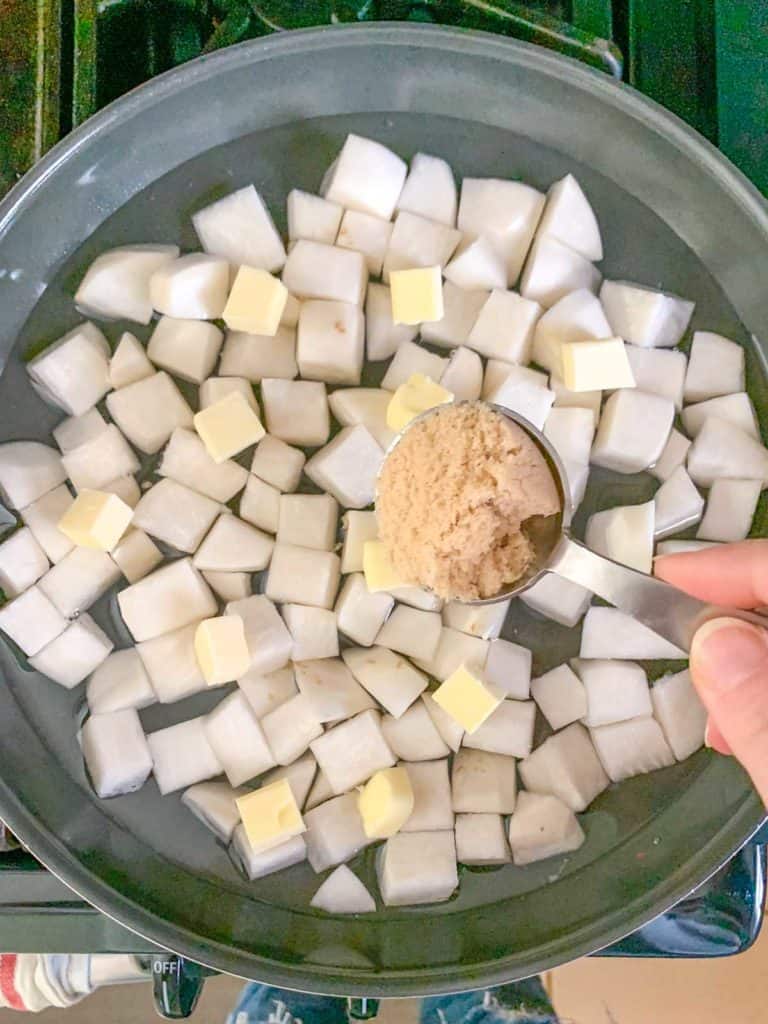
192,287
483,783
267,636
277,463
181,755
567,399
383,336
418,242
76,430
367,406
213,389
633,431
736,409
359,527
578,316
313,631
136,555
567,766
507,730
674,455
171,664
213,803
300,776
120,682
79,580
659,372
463,376
237,739
453,650
477,265
367,234
100,460
417,867
610,633
366,176
680,713
290,729
28,470
169,598
571,432
350,753
389,678
343,893
722,451
678,504
432,801
504,327
74,654
348,467
507,212
560,695
530,401
731,507
417,597
234,546
413,736
267,691
553,269
481,839
116,752
631,748
624,534
149,411
229,586
239,228
32,621
569,217
296,411
129,362
116,286
308,520
334,832
679,547
558,599
43,516
411,632
330,341
616,691
266,862
126,487
317,271
331,691
255,357
312,217
409,359
497,373
541,827
461,309
430,190
485,621
186,348
508,669
299,575
186,460
643,316
176,515
715,367
359,613
449,729
22,562
319,793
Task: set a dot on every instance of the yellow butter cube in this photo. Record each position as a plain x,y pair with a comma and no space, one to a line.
270,816
386,803
596,365
96,519
221,649
378,570
228,427
418,394
417,295
467,698
256,302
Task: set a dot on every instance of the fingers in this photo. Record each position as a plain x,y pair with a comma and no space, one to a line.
715,740
729,665
734,574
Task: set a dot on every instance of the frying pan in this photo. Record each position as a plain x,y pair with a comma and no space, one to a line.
273,112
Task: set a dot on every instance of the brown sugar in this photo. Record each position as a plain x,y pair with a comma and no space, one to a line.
454,497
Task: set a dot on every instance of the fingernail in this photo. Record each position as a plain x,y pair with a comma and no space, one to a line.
707,742
727,651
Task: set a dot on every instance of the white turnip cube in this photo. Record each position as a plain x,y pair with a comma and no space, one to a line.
643,316
528,400
578,316
417,597
658,371
266,862
552,270
321,791
409,359
267,636
411,632
300,575
678,504
367,406
296,411
570,219
255,357
432,801
43,517
176,515
149,411
722,451
567,399
129,362
541,827
558,599
366,176
32,621
234,546
497,373
213,803
300,776
624,534
390,679
186,348
736,409
73,372
309,520
214,389
483,783
477,265
674,455
229,586
317,271
485,621
267,691
463,376
731,507
481,839
79,580
567,766
169,598
577,480
136,555
417,867
74,654
359,613
290,728
461,309
508,669
239,228
680,713
100,460
334,832
507,730
313,631
312,217
116,286
76,430
119,682
348,467
116,752
679,547
430,190
633,431
610,633
22,562
171,664
350,753
383,336
330,341
237,739
369,235
571,432
715,367
453,650
418,242
126,488
343,893
631,748
182,755
186,460
192,287
504,327
507,212
330,689
449,729
359,527
277,464
560,695
28,470
413,736
616,691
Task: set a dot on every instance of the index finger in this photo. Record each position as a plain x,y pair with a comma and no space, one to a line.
732,574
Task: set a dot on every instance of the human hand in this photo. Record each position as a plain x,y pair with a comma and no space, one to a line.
729,658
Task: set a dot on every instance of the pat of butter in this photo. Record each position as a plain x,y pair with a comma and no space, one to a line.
417,295
228,427
256,302
418,394
596,365
386,803
221,649
96,519
270,816
378,570
467,698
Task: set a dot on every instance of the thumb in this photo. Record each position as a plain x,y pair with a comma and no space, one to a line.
729,665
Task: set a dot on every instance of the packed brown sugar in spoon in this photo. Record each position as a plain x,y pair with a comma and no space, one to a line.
460,499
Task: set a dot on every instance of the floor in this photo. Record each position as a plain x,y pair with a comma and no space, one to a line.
589,991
